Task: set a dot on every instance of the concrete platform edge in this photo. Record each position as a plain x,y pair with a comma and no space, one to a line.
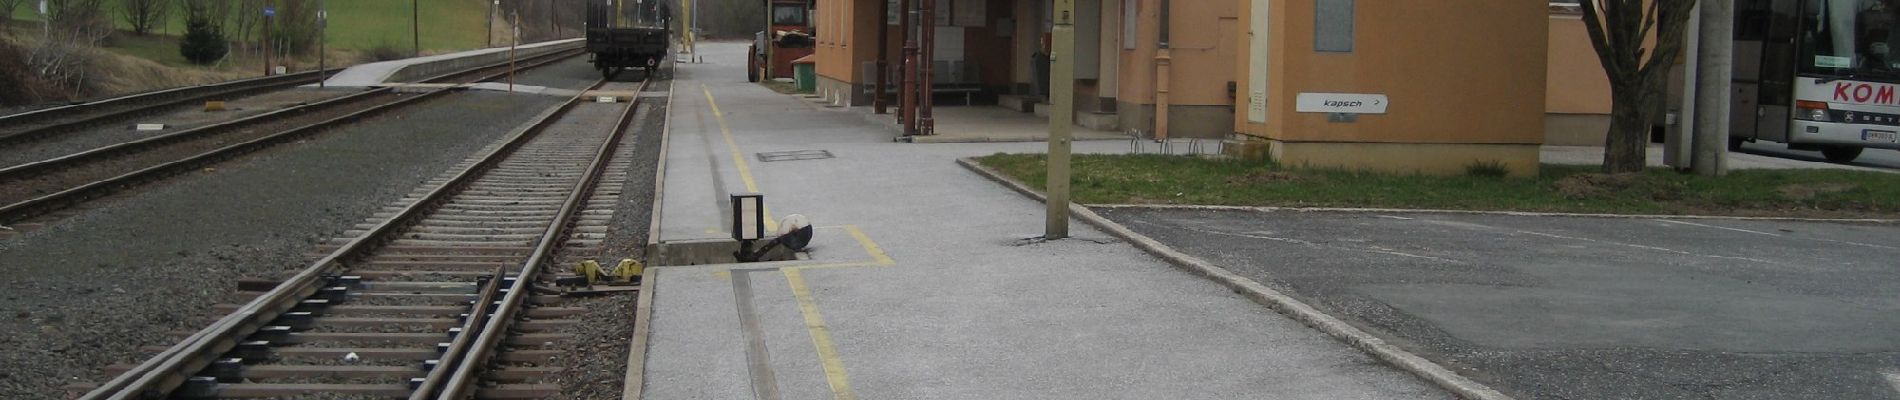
659,176
643,308
1280,302
1488,212
637,352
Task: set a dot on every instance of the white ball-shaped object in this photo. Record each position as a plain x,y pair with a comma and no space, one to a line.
792,223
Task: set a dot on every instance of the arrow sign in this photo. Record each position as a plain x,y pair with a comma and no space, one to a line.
1349,103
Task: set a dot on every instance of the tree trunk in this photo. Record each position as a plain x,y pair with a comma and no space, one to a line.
1632,110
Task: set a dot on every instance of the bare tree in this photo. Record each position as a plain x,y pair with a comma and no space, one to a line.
144,15
245,21
74,30
7,7
1619,29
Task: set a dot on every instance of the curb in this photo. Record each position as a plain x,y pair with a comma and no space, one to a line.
1266,209
1280,302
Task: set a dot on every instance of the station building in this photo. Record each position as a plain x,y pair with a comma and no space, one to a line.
1458,82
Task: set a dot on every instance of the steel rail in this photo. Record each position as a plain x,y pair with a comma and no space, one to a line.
161,98
467,366
170,368
29,208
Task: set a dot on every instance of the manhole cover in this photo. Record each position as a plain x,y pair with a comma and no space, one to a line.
794,155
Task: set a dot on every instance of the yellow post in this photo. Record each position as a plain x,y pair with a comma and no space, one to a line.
1061,118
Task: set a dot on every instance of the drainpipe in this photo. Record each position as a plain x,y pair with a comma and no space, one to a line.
1163,59
926,77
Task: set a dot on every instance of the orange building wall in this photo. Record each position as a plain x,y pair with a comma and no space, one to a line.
1204,45
1576,81
1456,71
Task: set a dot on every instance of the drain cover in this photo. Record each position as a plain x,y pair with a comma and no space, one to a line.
794,155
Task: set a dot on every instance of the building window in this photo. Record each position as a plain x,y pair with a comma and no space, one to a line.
1332,26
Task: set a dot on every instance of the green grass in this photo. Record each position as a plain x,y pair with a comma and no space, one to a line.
1159,179
446,25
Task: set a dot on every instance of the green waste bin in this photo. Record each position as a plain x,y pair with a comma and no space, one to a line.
805,72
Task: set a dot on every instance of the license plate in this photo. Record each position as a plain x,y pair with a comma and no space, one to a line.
1879,136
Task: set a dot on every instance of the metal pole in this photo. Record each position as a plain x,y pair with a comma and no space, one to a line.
907,73
926,74
415,26
1061,117
878,102
323,29
1678,140
1716,42
490,39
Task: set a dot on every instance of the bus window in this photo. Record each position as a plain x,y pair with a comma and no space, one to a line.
1849,38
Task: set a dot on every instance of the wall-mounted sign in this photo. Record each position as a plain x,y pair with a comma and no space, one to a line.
1352,103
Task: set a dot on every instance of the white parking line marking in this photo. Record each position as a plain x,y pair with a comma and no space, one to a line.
1717,227
1259,235
1893,378
1780,235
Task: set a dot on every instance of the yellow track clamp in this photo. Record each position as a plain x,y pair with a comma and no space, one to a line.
629,269
589,269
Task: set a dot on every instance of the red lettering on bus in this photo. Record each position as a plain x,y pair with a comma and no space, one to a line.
1884,95
1840,91
1863,92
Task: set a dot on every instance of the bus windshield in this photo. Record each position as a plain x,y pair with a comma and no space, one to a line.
1850,38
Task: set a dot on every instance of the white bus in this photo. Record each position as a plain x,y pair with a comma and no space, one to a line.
1817,75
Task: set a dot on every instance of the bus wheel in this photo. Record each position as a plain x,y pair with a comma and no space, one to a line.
1735,144
1841,154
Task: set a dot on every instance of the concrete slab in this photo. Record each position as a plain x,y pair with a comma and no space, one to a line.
377,73
1567,307
921,287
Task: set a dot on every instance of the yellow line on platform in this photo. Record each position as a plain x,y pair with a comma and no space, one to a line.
820,337
738,157
870,247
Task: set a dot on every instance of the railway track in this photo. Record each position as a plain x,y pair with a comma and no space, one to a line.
37,124
441,297
34,189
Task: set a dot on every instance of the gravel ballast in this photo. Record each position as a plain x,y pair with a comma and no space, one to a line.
175,119
88,290
595,362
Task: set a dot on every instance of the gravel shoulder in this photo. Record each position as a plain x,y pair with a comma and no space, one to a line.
88,290
572,73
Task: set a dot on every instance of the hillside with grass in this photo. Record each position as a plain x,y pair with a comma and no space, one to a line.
358,31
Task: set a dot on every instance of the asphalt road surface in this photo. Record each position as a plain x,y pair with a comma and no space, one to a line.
1587,308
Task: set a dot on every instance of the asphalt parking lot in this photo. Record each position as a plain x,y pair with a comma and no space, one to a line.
1598,308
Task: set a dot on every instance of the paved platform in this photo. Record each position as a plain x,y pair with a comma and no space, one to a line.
921,287
1586,308
378,73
